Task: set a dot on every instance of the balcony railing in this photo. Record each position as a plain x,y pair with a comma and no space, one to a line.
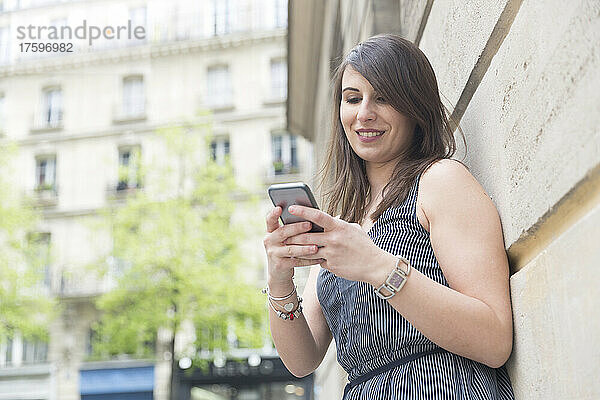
84,284
122,189
280,172
46,195
41,122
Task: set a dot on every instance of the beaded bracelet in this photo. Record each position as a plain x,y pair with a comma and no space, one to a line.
287,307
289,315
268,293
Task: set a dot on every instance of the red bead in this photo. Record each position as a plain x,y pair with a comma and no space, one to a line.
291,317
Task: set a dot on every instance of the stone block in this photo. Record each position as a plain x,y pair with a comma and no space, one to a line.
454,38
555,301
532,124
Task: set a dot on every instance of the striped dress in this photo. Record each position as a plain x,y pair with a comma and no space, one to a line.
370,333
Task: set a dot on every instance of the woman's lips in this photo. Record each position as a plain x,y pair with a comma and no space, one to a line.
369,136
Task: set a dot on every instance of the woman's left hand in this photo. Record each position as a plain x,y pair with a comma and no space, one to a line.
346,247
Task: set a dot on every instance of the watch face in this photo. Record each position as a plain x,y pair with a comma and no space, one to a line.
395,280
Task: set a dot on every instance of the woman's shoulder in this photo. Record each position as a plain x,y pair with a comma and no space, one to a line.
447,174
446,168
446,184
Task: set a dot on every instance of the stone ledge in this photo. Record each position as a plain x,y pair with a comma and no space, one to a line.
26,370
573,206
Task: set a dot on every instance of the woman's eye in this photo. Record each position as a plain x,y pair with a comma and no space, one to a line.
353,100
381,99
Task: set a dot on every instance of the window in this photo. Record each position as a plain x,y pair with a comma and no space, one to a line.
129,168
45,173
222,12
219,89
137,16
34,351
2,114
284,154
17,351
51,108
133,96
186,24
281,13
278,79
4,45
219,149
91,338
8,351
274,14
293,152
42,248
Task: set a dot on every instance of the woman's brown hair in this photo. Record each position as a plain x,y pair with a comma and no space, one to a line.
400,72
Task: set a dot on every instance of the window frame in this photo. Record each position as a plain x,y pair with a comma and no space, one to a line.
52,107
288,162
45,185
278,79
133,171
133,99
221,17
2,113
220,149
219,87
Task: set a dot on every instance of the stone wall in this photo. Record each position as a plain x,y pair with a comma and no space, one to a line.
522,78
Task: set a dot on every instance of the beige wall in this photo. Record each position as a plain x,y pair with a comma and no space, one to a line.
522,78
531,126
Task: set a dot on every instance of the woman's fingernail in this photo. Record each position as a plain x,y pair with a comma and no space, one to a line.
291,209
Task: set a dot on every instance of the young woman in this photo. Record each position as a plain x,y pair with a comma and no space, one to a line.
414,279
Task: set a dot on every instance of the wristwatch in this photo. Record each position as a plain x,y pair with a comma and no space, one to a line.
395,280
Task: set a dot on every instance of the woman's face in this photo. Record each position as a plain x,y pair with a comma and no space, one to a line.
375,130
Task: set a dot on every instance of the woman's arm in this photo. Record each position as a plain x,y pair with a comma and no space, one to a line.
472,317
301,342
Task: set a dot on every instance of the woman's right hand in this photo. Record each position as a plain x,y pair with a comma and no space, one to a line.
283,258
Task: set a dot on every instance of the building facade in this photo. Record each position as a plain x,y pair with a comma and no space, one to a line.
521,77
84,113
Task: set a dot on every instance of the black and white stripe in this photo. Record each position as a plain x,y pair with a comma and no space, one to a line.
370,333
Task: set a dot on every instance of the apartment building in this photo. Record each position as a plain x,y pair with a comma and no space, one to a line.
83,107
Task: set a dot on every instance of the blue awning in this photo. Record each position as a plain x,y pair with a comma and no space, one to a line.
116,380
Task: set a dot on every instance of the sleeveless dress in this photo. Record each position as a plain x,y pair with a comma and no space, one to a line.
370,333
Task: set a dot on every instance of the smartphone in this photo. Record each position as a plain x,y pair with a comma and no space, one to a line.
287,194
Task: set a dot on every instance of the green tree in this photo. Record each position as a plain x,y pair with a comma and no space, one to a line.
25,304
180,258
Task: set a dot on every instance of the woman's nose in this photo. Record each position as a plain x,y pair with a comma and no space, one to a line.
365,112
